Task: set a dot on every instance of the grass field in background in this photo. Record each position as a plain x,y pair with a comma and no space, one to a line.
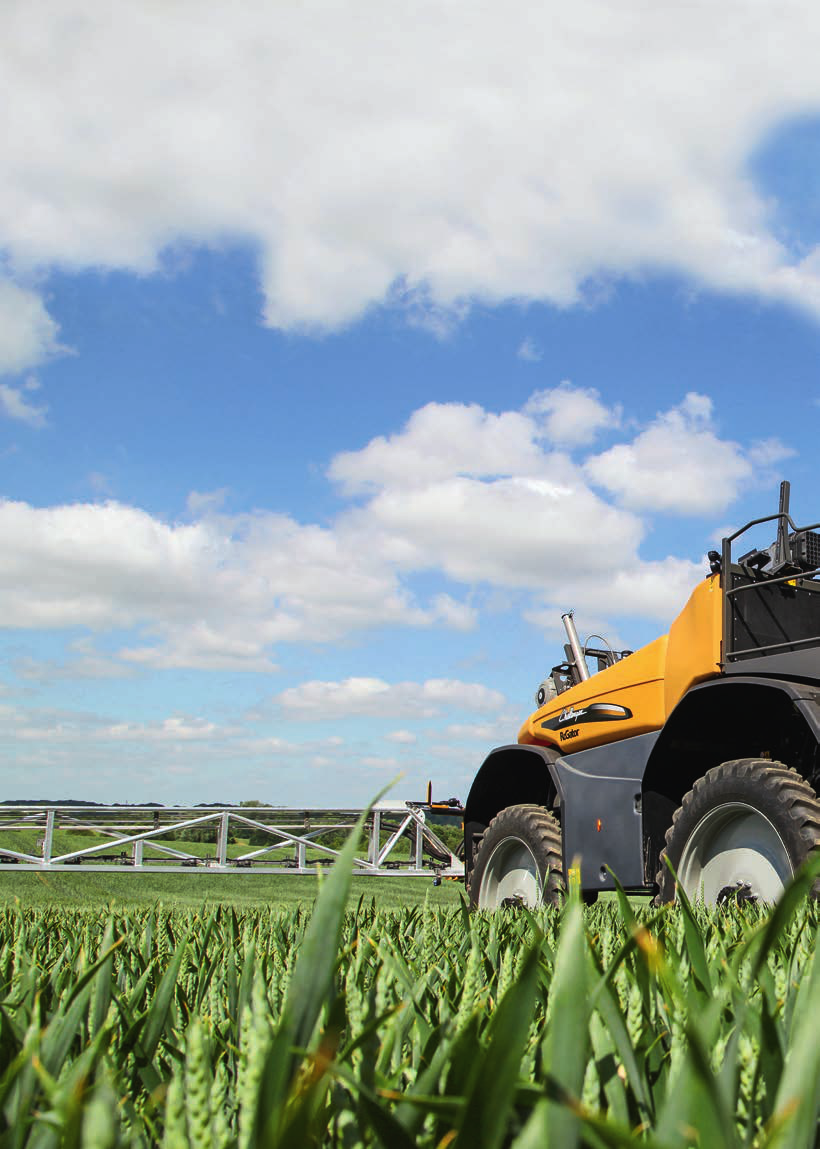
128,888
409,1028
238,1025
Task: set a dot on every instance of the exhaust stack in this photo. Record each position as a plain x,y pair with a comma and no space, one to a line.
578,659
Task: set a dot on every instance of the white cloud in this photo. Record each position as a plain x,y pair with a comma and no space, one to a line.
181,734
201,645
174,729
438,441
442,440
379,762
215,593
53,754
478,498
572,415
505,509
482,496
76,727
15,405
28,336
542,152
487,733
454,614
323,701
84,661
768,452
529,351
203,503
402,737
509,532
654,590
679,463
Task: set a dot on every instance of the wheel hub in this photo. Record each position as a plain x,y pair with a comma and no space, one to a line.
734,852
510,877
740,892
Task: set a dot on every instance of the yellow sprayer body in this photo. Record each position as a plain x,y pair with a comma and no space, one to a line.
636,695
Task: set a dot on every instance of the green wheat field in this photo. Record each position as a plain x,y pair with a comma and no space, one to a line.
332,1024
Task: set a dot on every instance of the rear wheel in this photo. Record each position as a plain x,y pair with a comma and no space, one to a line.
741,832
518,861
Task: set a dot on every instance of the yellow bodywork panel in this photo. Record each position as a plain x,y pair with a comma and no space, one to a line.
634,687
694,650
636,695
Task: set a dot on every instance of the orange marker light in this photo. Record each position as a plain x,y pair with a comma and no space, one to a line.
598,825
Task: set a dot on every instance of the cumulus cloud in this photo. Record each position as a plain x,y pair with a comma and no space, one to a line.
179,733
174,729
56,753
572,415
679,463
505,507
653,590
438,441
442,440
471,497
507,532
540,155
486,497
75,727
28,334
322,701
15,404
216,593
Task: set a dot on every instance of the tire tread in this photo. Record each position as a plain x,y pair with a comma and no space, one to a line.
543,828
781,785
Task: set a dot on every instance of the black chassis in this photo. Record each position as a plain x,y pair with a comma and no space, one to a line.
615,802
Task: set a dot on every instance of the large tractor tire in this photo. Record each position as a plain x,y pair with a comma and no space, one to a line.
741,832
518,861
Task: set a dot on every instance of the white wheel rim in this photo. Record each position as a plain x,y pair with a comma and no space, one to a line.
732,847
511,873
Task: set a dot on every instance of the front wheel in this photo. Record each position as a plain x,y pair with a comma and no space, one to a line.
518,861
741,832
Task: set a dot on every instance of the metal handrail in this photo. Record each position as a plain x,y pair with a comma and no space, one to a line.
785,521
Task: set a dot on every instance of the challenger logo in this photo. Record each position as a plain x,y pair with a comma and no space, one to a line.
570,719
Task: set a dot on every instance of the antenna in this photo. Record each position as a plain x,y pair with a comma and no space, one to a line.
782,552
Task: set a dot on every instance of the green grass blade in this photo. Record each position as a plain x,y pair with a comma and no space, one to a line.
565,1048
797,1104
694,939
310,987
61,1031
490,1100
161,1002
765,938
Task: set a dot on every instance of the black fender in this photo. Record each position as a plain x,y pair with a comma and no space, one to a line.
509,776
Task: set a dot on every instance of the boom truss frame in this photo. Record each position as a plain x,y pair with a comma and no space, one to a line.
295,840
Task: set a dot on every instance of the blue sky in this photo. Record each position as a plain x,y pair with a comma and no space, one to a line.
341,351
